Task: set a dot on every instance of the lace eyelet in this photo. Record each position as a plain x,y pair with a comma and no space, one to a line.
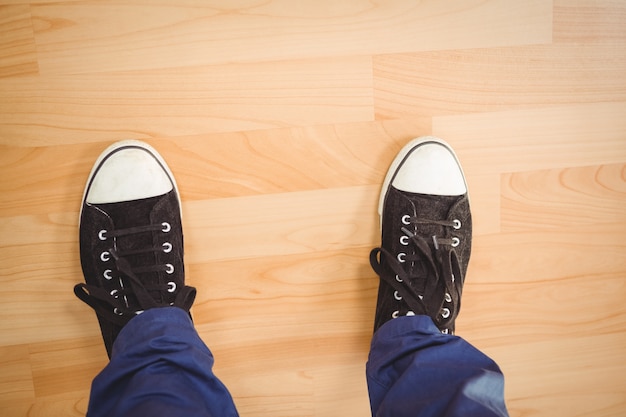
406,219
398,278
113,292
169,268
445,331
171,286
105,256
166,227
456,224
401,257
448,298
445,313
397,295
410,313
455,242
395,314
102,234
167,247
107,274
117,311
404,240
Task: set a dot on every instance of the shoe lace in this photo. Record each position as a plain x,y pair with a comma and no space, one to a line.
435,289
116,305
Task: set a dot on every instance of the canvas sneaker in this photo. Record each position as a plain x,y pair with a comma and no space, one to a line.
426,235
131,240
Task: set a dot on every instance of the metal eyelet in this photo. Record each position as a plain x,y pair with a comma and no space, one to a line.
445,313
169,268
406,219
102,234
105,256
456,224
166,227
107,274
401,257
404,240
397,295
171,286
167,247
455,242
448,298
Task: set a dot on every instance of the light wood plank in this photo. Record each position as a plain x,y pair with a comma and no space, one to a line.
564,198
283,377
18,51
16,376
313,290
66,366
297,222
495,79
542,138
550,378
40,302
498,313
72,405
93,37
107,107
536,255
590,22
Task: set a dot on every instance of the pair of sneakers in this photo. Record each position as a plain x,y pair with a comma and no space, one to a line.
131,238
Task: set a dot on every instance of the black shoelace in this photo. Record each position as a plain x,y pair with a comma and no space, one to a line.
437,285
132,295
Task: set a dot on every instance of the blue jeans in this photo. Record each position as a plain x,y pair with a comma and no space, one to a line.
160,367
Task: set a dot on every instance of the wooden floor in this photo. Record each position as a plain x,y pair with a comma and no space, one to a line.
279,119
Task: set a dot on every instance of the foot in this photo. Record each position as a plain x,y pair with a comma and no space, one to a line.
131,240
426,235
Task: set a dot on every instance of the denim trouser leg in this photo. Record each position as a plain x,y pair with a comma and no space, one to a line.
160,367
414,370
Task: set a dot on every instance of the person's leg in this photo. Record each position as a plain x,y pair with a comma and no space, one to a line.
131,251
415,370
160,367
416,366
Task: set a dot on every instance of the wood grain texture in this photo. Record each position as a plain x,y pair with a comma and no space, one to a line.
18,51
494,79
172,34
279,120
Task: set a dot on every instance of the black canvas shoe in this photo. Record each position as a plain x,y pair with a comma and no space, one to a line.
426,235
131,240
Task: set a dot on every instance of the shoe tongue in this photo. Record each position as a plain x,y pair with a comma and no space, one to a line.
126,214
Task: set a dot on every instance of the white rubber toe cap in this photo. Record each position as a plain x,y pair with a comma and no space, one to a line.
128,170
430,168
426,165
